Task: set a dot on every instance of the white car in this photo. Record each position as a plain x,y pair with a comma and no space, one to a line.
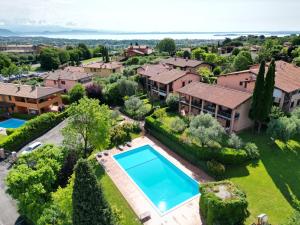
31,147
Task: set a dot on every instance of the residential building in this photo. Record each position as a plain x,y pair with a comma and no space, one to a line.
230,107
149,70
170,81
287,83
29,99
103,69
137,50
186,64
67,78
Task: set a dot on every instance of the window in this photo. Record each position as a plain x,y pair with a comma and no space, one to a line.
183,83
9,97
54,81
298,102
292,104
241,83
114,70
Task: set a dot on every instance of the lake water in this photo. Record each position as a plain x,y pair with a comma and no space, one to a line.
157,36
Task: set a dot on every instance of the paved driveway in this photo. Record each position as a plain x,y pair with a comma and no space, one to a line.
8,209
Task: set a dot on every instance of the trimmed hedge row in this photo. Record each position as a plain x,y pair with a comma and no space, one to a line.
229,211
192,152
31,130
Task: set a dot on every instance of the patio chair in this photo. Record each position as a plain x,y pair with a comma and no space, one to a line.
129,144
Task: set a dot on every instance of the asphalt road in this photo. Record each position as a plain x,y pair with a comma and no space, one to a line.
8,210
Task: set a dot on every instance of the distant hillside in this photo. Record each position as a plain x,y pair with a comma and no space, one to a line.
6,32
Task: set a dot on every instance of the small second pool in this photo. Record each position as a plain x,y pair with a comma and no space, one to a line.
12,123
165,185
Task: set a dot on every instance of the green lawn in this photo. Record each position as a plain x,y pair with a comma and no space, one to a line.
273,184
116,199
96,59
2,137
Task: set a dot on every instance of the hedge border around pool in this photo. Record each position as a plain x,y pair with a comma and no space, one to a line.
192,152
31,130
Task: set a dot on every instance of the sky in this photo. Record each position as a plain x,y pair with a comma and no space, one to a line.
154,15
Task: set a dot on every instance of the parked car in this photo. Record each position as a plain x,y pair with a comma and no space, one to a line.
31,147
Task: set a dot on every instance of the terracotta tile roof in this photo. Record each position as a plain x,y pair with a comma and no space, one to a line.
69,73
180,62
169,76
150,70
102,65
287,77
219,95
27,91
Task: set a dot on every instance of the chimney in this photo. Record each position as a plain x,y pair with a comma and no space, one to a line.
19,87
32,87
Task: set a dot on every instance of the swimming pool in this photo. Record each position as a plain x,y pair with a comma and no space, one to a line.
164,184
12,123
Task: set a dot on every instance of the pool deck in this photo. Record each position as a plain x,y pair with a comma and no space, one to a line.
185,214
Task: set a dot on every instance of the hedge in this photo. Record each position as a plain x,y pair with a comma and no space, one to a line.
192,152
31,130
230,210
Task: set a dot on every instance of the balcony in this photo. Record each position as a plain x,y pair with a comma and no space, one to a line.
196,104
209,109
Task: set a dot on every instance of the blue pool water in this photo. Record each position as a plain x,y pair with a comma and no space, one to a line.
161,181
12,123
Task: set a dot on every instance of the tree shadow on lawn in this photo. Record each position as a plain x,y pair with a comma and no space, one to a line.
282,163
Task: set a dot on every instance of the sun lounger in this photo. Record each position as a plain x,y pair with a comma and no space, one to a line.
128,144
144,217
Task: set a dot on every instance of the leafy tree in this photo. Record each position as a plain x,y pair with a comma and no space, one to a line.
88,126
167,45
204,129
77,92
98,50
33,178
85,52
105,55
186,54
127,87
135,107
89,203
242,61
64,56
258,94
172,101
296,61
198,54
296,40
119,136
268,91
67,167
11,70
94,91
235,142
179,53
49,59
217,71
5,61
283,128
112,94
177,125
74,56
235,51
207,75
276,112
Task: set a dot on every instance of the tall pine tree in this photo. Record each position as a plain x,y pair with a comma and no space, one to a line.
268,92
89,204
258,94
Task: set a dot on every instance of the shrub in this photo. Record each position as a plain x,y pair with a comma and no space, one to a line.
283,128
160,114
234,141
23,116
136,108
76,93
9,131
94,91
216,168
172,102
65,99
119,135
276,113
222,203
31,130
177,125
252,151
182,145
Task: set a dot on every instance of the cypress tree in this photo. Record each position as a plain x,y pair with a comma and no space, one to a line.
89,205
268,92
258,94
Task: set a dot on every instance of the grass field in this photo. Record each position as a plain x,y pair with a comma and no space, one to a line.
115,198
272,184
96,59
2,137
